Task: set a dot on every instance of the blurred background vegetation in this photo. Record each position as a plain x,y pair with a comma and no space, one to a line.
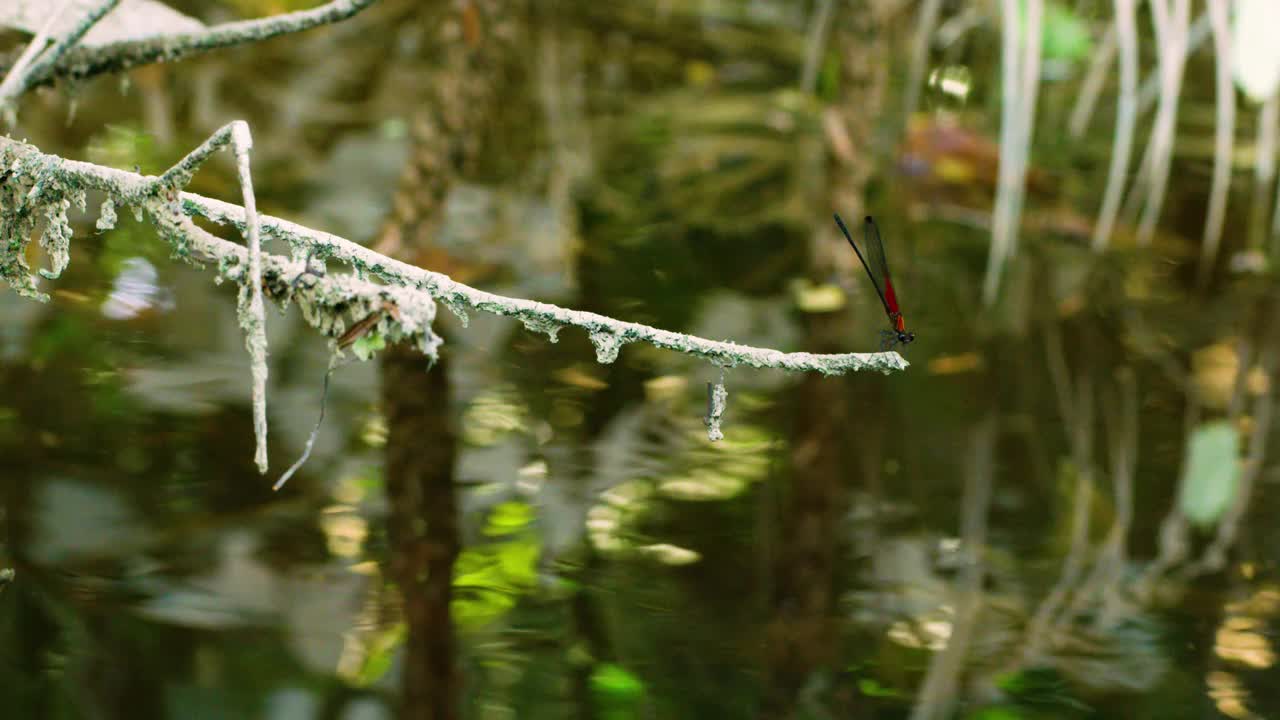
1063,508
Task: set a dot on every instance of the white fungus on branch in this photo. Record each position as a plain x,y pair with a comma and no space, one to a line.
386,298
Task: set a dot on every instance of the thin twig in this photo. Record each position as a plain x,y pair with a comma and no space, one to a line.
315,431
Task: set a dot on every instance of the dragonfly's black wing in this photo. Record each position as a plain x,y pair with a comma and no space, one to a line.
875,252
863,259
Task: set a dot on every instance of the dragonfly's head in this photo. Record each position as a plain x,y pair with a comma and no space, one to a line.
906,337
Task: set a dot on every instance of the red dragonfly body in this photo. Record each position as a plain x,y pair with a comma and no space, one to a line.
878,270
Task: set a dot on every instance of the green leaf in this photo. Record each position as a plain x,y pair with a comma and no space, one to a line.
380,653
367,345
1066,34
1211,473
508,518
999,712
872,688
489,578
618,693
615,681
478,608
518,562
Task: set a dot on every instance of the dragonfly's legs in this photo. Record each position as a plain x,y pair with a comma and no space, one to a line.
315,271
887,339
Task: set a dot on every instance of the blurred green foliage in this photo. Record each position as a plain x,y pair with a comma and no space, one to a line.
489,578
619,695
1066,35
1211,474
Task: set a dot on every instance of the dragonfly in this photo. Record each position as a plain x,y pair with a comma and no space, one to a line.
878,270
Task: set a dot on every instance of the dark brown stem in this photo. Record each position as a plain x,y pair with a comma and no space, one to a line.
423,529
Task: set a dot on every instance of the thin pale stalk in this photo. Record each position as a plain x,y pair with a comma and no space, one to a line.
1119,428
1073,564
1124,465
1126,121
1094,80
1264,171
1171,31
817,40
1200,30
1028,94
926,21
1271,115
1021,72
1002,230
1147,96
937,697
1224,138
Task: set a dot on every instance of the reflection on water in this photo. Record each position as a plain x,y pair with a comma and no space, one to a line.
134,291
1059,510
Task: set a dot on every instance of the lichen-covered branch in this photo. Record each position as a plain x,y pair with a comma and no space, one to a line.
606,333
35,61
86,62
382,296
